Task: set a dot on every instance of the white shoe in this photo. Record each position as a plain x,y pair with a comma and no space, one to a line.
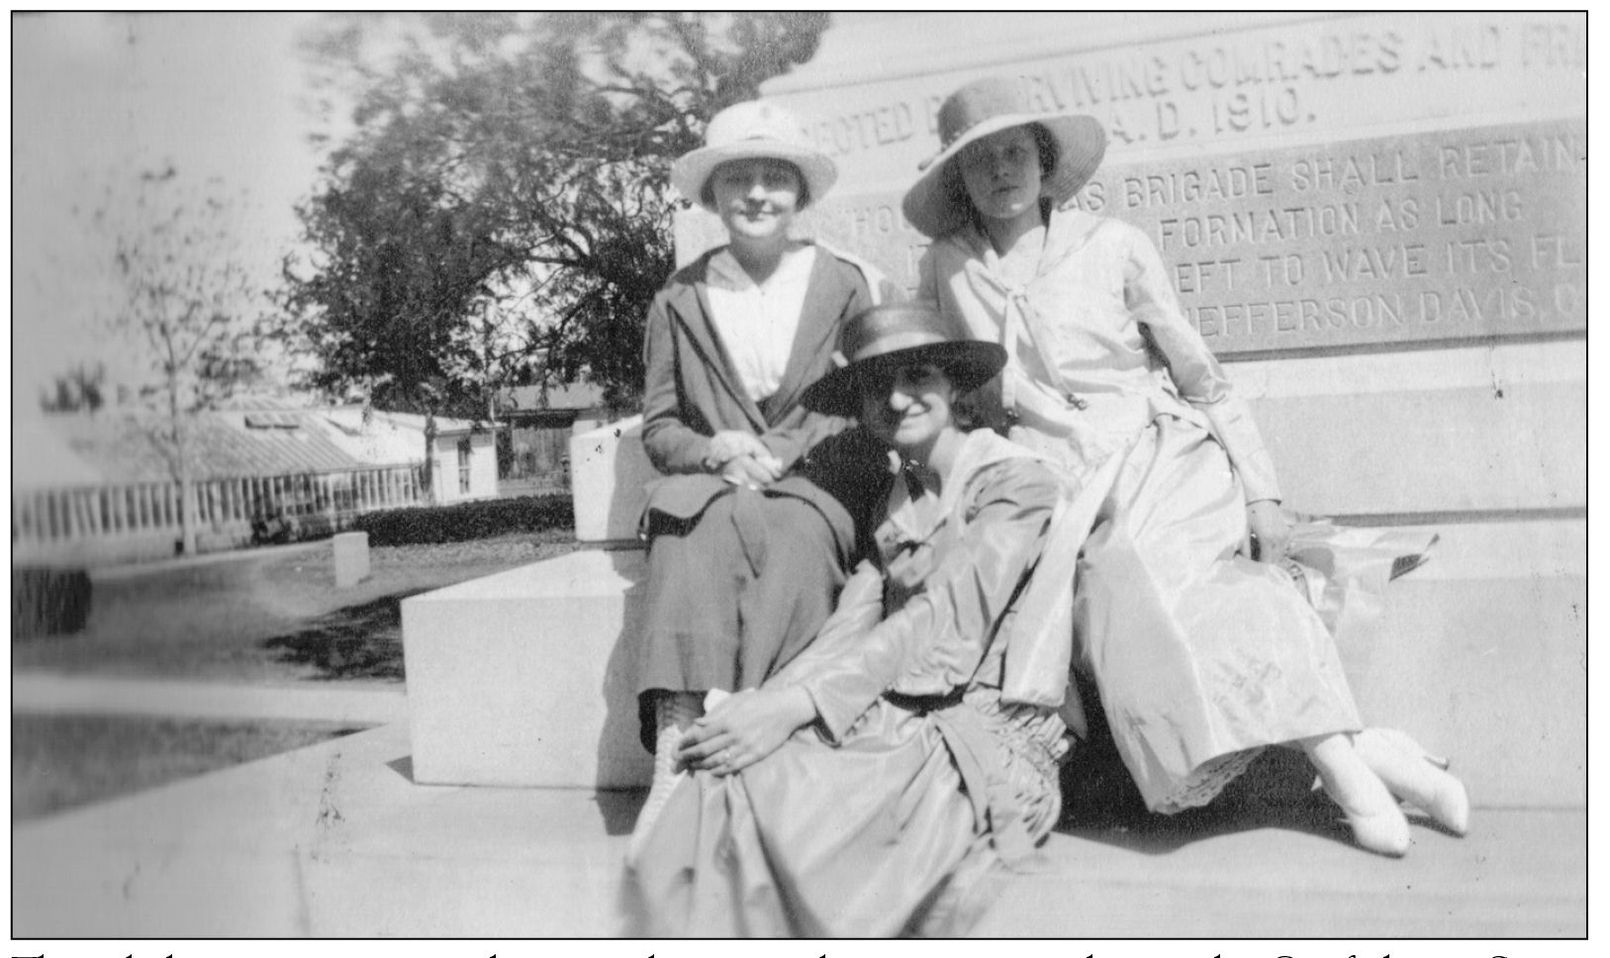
1374,816
1416,776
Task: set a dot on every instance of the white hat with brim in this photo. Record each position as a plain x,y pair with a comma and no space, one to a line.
756,129
937,203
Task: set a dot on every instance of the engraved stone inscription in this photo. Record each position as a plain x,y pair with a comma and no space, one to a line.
1439,235
1288,80
1449,235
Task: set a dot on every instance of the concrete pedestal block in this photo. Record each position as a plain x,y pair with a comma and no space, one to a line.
608,470
1481,655
525,677
1477,429
350,557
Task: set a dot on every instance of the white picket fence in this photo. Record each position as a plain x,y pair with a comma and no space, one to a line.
112,522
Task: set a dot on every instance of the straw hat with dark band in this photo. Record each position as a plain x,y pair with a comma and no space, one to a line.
756,129
937,203
901,334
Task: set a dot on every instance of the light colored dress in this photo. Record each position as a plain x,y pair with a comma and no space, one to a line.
930,772
1201,656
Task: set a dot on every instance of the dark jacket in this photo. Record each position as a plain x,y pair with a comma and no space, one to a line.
693,391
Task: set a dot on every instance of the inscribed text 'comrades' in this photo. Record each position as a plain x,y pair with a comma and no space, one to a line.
1291,78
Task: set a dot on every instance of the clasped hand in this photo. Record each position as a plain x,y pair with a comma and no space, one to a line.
744,728
742,459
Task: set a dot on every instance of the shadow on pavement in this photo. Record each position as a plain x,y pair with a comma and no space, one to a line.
1101,803
618,808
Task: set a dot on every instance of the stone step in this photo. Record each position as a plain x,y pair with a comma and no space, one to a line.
336,841
524,678
1235,876
357,704
1483,429
1474,429
1482,655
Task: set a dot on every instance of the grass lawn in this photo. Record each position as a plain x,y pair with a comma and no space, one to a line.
272,617
60,762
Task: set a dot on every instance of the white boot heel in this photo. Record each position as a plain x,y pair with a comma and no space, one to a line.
1416,776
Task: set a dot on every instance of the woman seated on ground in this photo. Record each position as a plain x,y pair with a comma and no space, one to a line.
748,545
1201,655
881,783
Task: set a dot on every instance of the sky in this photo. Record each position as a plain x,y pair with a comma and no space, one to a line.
97,98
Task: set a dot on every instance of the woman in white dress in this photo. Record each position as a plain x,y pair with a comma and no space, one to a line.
1202,654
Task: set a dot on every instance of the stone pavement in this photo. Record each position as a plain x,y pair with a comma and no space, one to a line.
130,570
51,692
335,840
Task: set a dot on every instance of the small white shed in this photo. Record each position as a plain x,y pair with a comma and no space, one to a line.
463,459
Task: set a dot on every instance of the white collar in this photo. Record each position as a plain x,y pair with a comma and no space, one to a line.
725,272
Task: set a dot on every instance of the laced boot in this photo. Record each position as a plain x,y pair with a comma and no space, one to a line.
674,714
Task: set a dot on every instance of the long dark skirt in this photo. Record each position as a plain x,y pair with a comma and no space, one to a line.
734,593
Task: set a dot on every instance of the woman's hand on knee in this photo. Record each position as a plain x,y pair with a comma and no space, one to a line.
729,444
745,728
752,472
1270,532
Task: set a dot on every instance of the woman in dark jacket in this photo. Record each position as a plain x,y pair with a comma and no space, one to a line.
747,549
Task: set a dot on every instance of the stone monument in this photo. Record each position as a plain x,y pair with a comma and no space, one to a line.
1376,220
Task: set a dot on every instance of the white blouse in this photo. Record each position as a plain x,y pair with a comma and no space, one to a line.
757,322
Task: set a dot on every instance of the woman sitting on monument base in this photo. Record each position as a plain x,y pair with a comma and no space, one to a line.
751,532
1186,617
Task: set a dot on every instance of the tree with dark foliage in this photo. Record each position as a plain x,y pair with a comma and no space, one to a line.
499,212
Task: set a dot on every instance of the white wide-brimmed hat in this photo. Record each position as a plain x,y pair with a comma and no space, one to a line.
937,203
756,129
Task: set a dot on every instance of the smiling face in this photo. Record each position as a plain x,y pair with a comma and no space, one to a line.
757,198
1002,174
907,405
